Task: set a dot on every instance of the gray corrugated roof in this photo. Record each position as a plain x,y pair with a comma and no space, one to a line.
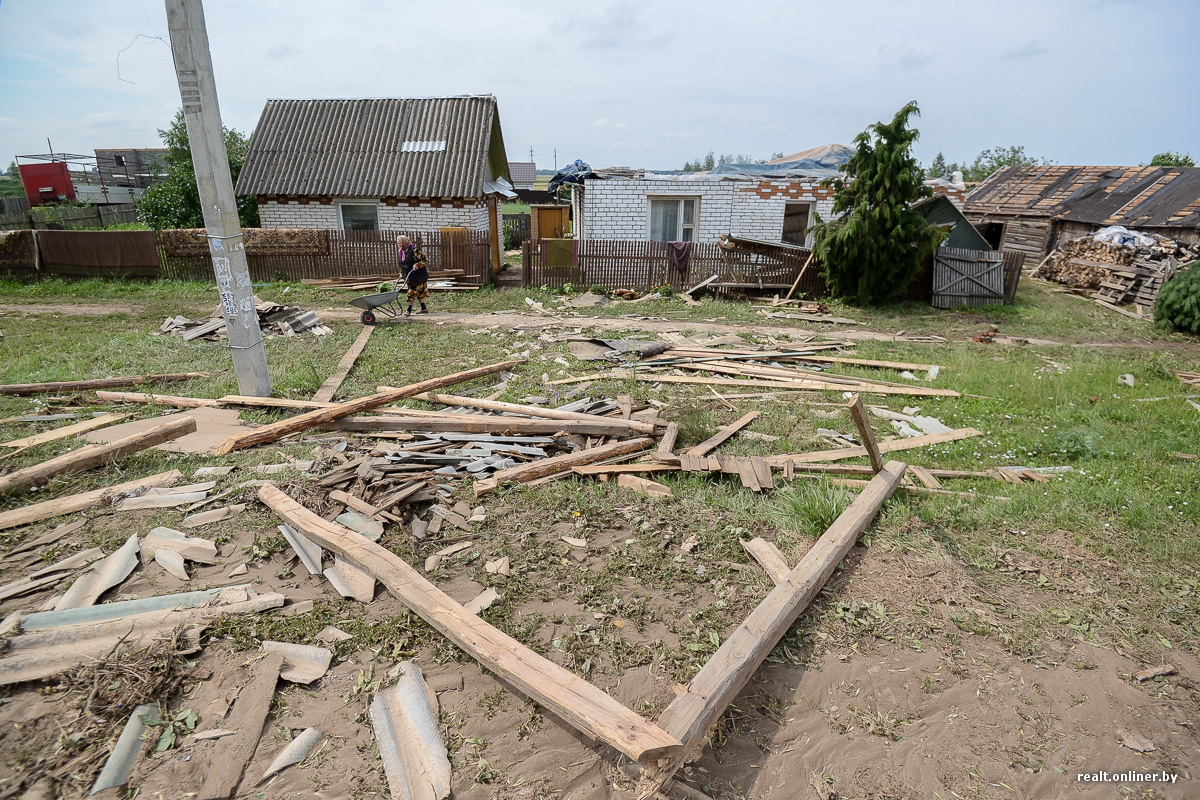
356,148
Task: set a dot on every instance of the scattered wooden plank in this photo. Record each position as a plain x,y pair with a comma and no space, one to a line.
799,276
748,475
692,714
884,447
65,431
524,473
77,502
866,432
924,476
334,381
768,557
518,408
762,472
95,455
99,383
1117,309
642,486
619,469
865,387
719,438
232,754
700,285
500,426
586,707
160,399
302,422
666,445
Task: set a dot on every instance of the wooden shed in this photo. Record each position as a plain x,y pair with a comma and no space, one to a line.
1033,209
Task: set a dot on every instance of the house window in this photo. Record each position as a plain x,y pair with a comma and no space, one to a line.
673,219
360,218
796,219
119,160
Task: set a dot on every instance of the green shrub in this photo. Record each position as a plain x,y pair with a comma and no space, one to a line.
1178,304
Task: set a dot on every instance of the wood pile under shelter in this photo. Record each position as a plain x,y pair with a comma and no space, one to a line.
1119,267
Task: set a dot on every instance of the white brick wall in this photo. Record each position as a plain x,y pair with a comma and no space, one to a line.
619,208
425,217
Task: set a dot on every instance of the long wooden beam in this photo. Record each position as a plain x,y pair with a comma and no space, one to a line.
866,387
334,381
160,399
500,426
890,446
572,698
65,431
524,473
78,502
301,422
691,715
518,408
99,383
95,455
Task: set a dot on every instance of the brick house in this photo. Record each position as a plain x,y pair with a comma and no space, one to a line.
776,201
378,165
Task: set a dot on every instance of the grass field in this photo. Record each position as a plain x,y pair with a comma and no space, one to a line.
1106,554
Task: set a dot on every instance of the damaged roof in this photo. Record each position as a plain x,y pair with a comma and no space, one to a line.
429,147
1135,197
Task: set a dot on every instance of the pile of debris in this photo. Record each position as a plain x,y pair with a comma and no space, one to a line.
274,319
398,470
1118,266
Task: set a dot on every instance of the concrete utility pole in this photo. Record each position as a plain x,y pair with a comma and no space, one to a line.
198,91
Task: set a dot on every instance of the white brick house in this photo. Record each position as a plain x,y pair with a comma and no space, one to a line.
697,207
378,165
776,201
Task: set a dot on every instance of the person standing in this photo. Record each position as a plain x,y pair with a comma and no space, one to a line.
414,273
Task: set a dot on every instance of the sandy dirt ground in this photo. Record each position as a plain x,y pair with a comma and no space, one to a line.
945,715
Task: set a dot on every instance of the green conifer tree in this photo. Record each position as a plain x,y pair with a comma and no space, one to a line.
872,251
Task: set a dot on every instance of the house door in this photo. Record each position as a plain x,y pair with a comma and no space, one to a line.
795,223
552,222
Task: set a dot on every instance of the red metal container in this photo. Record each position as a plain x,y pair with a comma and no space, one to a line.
46,183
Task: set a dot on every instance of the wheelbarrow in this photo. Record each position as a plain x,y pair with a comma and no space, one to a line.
383,301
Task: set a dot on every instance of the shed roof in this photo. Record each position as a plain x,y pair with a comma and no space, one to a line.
430,147
1136,197
939,210
523,171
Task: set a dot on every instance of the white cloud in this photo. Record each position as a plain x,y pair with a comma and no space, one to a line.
600,123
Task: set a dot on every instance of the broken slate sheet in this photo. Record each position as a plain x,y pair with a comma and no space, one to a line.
613,349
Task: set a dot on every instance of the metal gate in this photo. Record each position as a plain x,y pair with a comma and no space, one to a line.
967,278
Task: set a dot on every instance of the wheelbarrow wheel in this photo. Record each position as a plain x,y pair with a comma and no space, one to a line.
368,318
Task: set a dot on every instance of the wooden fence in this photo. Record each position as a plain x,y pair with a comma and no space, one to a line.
69,218
620,264
272,255
516,230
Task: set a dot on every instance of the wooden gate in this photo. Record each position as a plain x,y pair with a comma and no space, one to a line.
967,278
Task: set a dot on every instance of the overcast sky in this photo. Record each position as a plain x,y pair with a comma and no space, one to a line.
642,84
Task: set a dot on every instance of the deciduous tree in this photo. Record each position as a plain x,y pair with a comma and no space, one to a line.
174,202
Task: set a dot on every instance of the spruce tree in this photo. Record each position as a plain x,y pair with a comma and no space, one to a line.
872,250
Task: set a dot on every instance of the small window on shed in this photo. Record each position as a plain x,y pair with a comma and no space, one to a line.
360,218
119,160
